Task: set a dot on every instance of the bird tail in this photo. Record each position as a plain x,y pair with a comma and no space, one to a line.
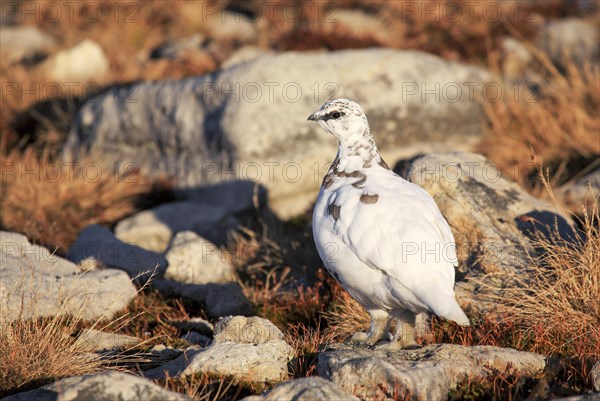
456,314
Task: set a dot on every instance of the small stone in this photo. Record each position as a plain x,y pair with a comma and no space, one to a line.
194,260
85,62
24,43
247,330
176,48
218,299
195,338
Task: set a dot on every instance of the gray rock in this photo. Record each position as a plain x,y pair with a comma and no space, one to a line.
244,55
176,48
428,373
230,26
577,194
160,355
304,389
195,338
98,242
174,367
570,39
37,283
194,324
249,349
24,43
98,341
516,59
117,385
246,330
248,122
595,376
84,62
490,216
154,229
233,196
105,386
218,299
194,260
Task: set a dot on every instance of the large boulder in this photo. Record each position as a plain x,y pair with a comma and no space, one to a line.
248,122
36,283
491,217
426,374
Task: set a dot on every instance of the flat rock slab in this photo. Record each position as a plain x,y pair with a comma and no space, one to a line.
426,374
304,389
154,228
36,283
105,386
97,242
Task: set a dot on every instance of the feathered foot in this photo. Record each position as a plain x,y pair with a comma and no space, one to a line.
404,337
379,327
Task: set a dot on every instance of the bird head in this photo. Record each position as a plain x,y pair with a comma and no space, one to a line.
342,118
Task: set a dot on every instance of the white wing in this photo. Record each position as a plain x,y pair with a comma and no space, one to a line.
405,236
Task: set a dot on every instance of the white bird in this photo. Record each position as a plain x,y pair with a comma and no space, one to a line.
383,238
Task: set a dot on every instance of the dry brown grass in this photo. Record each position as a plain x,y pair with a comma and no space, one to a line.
561,126
51,202
152,316
202,387
34,352
555,303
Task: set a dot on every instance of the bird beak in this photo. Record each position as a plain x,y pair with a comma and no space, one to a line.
313,117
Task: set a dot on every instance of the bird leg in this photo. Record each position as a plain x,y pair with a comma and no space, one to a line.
379,326
404,337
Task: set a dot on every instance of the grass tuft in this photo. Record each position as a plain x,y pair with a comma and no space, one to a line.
51,201
560,124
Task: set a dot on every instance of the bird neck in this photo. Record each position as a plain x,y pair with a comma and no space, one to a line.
358,149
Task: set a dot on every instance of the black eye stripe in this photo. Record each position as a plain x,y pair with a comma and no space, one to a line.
334,115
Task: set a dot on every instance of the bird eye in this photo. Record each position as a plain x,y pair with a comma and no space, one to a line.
335,115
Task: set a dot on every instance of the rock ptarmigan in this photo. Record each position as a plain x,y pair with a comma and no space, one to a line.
382,238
